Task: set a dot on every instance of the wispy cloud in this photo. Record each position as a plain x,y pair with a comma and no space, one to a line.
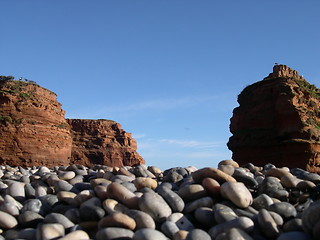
193,143
160,104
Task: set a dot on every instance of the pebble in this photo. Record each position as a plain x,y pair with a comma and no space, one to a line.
153,204
76,235
149,234
117,220
114,233
139,202
7,221
50,231
243,223
237,193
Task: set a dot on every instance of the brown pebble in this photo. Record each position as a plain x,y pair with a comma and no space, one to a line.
211,186
214,173
117,220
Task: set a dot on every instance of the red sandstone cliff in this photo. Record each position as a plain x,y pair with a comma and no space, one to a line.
33,132
278,121
102,142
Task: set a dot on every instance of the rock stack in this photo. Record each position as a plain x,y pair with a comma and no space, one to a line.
278,121
139,202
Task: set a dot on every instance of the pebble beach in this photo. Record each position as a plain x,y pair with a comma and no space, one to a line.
145,203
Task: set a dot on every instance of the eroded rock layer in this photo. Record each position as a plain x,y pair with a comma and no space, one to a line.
278,121
102,142
34,132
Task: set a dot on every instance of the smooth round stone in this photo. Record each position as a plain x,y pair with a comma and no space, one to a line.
58,218
52,179
78,179
229,162
67,197
224,215
173,177
50,199
124,171
289,181
169,229
248,181
40,191
142,219
267,224
173,199
197,234
181,221
123,195
35,205
16,190
29,219
293,225
130,186
10,208
140,171
273,188
214,173
50,231
11,234
306,185
278,172
91,213
211,186
73,214
237,193
201,202
192,192
295,235
155,171
243,223
101,191
62,185
155,206
84,196
111,206
114,233
27,234
262,201
141,182
311,216
284,209
180,235
7,221
305,175
149,234
228,169
68,175
117,220
205,216
30,192
93,201
234,234
122,178
76,235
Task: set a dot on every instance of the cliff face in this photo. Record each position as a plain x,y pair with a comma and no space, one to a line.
102,142
278,121
33,132
32,126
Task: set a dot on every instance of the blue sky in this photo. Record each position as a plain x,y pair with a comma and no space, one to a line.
168,71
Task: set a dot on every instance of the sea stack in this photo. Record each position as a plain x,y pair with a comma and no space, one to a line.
278,121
